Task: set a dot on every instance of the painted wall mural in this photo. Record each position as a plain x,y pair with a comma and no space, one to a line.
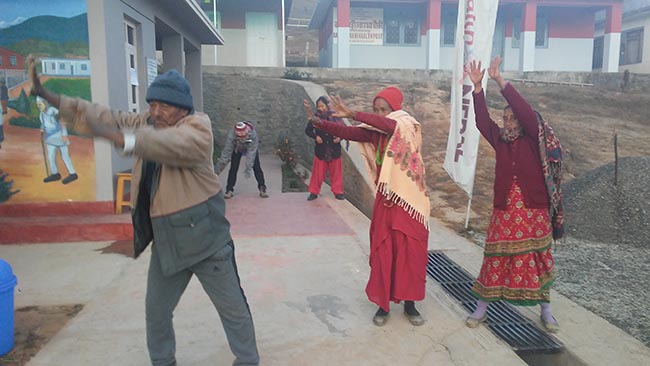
41,158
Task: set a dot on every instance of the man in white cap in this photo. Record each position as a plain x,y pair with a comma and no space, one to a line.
242,140
178,205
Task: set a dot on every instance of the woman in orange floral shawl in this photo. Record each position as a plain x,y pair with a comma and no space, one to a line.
390,141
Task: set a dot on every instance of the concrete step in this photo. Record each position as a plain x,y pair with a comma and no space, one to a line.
62,222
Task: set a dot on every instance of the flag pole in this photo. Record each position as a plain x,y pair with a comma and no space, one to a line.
469,204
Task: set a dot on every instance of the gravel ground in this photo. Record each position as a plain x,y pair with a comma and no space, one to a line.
604,261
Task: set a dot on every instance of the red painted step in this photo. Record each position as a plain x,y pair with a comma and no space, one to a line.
62,222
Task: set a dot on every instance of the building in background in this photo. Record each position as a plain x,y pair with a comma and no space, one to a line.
634,53
530,35
65,67
253,31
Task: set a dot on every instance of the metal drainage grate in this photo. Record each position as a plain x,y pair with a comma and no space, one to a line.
503,319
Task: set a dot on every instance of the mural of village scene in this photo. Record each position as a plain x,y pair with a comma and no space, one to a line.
41,159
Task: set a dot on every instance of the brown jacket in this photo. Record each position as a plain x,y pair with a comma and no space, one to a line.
184,151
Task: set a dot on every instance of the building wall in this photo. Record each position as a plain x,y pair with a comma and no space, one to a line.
107,37
390,57
565,54
233,29
6,64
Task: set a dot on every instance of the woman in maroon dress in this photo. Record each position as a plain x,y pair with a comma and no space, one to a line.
390,140
517,265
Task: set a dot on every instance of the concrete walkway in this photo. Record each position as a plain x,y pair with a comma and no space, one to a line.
303,266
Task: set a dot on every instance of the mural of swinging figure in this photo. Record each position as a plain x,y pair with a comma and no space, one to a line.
54,136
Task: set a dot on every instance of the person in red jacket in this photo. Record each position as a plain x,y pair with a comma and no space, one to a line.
517,265
390,141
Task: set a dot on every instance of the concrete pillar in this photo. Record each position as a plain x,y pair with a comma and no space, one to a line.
527,38
173,53
612,39
194,75
343,19
99,81
433,34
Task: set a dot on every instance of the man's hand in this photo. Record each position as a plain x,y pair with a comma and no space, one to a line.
319,140
66,139
340,109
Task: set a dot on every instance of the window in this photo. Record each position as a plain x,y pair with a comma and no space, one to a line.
61,66
401,27
84,67
448,25
516,30
631,46
129,35
0,60
13,61
53,65
597,58
541,31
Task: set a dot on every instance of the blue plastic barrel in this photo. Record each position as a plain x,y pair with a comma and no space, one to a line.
7,285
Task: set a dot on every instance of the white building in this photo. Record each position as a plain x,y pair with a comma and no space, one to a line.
65,67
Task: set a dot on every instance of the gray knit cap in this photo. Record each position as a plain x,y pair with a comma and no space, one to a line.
171,88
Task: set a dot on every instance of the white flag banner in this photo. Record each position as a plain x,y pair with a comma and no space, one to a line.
474,32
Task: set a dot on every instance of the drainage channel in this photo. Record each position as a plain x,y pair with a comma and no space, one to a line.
532,344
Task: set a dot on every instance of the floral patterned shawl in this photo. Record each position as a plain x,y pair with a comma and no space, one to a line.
401,179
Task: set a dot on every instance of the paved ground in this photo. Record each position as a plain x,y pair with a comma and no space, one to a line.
304,267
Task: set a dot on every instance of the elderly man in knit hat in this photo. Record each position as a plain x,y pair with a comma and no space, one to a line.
178,205
390,141
242,141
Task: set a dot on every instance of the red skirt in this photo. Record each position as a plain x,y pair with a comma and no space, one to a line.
517,265
398,255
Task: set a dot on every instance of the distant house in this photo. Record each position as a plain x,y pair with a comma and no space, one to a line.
634,46
253,31
65,67
10,60
530,35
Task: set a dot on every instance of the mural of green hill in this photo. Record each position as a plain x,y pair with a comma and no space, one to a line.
47,28
51,49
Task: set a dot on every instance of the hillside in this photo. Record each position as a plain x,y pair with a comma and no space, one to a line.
47,29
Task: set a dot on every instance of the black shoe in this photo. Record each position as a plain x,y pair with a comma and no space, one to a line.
312,197
380,318
70,178
339,196
52,178
263,193
412,313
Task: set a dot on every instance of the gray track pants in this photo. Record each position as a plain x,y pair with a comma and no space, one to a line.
220,280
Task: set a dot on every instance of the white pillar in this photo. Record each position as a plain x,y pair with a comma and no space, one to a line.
612,39
611,52
527,51
527,38
433,49
343,54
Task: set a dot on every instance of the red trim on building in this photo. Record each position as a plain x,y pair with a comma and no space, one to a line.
343,13
614,19
434,14
529,18
570,23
